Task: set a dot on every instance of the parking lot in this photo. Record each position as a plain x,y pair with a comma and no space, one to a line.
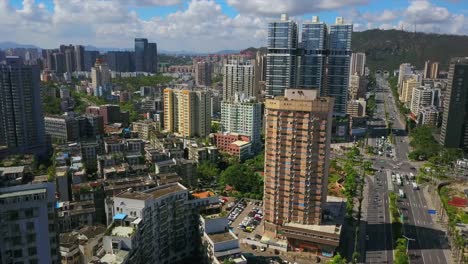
256,233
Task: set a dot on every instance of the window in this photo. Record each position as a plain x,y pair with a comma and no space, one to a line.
32,251
18,253
30,226
29,213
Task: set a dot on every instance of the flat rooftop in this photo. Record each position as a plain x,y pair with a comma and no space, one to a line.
21,193
240,143
152,193
221,237
14,169
122,231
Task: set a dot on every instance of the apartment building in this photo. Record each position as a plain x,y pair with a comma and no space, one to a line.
29,230
187,112
297,150
160,225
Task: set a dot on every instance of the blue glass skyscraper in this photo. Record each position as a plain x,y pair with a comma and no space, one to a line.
281,71
338,64
314,51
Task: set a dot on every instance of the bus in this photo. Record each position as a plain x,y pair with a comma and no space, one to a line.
401,193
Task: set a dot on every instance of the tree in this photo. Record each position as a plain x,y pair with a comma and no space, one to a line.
215,127
243,179
207,171
338,259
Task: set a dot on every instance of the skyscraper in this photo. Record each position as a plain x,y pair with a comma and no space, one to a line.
145,56
314,54
260,72
338,63
203,73
187,112
358,63
21,119
141,45
454,130
281,68
79,58
29,231
238,77
152,58
297,149
59,63
90,57
70,59
120,61
100,76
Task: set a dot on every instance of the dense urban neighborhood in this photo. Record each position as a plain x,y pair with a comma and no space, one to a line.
298,152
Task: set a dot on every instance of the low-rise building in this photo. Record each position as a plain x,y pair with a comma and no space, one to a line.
234,144
202,153
171,216
76,214
145,128
428,116
62,128
186,169
79,247
357,108
219,243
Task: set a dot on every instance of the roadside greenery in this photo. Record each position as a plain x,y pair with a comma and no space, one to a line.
401,257
338,259
371,105
207,171
455,215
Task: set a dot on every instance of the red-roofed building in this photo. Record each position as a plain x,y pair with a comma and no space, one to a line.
458,202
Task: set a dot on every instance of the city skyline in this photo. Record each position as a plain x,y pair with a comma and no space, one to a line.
220,24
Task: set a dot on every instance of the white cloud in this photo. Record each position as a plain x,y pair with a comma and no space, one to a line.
201,25
292,7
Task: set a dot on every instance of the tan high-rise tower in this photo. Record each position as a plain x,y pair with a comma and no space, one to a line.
297,149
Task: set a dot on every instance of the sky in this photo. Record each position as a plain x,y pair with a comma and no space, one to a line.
208,25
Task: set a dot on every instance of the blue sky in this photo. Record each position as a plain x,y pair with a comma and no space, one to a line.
208,25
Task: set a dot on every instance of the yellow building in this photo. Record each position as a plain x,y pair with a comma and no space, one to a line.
187,112
407,89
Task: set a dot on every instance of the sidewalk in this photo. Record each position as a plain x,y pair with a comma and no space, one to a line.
433,202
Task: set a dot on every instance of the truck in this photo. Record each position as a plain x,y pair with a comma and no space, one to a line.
415,186
401,193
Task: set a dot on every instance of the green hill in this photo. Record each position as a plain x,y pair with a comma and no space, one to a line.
387,49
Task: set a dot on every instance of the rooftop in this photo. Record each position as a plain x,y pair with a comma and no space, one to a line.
21,193
240,143
152,193
14,169
122,231
221,237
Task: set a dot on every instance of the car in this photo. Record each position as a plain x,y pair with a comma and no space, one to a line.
263,249
367,237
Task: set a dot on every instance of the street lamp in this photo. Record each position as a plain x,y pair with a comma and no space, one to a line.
407,244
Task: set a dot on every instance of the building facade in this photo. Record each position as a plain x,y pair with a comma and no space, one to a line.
62,128
314,56
242,117
338,64
159,225
21,117
423,96
281,60
203,71
239,78
187,112
297,149
358,64
454,130
100,75
29,231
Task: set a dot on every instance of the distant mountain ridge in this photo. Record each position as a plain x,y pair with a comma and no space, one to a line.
385,49
12,45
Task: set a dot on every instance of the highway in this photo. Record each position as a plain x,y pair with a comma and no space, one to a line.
428,241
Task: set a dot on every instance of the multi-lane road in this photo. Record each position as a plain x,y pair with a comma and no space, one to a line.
427,240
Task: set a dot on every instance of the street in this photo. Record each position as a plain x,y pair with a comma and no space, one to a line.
426,239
